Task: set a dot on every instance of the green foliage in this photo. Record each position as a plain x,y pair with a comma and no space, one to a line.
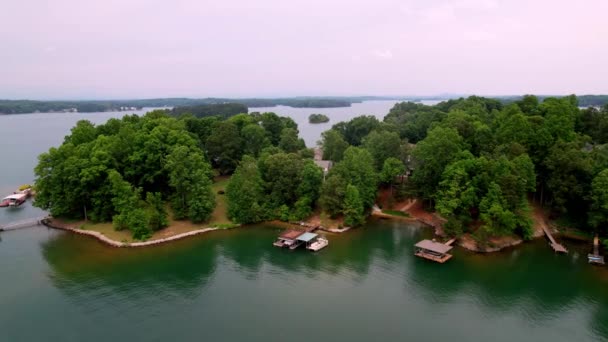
569,175
413,120
598,217
334,145
157,213
357,170
289,140
224,146
317,118
432,155
356,129
332,194
382,145
254,139
392,168
245,193
353,207
104,171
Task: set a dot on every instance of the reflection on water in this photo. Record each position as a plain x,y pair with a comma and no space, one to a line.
367,283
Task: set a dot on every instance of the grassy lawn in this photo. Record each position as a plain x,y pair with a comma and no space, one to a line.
219,216
396,213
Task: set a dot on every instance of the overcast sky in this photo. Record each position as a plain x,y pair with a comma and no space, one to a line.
198,48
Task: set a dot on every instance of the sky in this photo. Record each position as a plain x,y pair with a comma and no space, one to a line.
91,49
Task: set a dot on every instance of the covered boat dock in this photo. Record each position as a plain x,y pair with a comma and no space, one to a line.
288,239
434,251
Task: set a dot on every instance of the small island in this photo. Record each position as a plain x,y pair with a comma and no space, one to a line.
318,118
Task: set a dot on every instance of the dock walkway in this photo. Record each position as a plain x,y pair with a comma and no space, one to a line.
556,246
22,224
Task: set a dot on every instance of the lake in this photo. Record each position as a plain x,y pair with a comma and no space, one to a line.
234,285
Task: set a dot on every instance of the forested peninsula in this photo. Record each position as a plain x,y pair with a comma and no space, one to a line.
477,162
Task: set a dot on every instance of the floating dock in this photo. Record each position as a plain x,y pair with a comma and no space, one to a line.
596,258
434,251
293,239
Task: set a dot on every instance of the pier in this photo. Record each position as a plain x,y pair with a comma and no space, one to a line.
558,248
434,251
22,224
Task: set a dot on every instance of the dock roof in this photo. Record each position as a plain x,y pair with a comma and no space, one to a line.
307,237
434,246
291,234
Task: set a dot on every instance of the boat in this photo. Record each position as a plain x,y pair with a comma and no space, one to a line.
595,259
13,200
318,244
16,199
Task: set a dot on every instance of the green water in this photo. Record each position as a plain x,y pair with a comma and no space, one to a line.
235,286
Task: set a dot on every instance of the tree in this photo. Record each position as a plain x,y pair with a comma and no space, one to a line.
560,117
353,207
273,125
290,142
332,194
201,200
392,168
334,145
497,219
382,145
254,139
598,215
224,146
245,194
356,129
569,176
126,201
432,155
157,213
189,176
357,168
282,174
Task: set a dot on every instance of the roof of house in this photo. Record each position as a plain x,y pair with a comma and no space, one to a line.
434,246
291,234
324,164
307,237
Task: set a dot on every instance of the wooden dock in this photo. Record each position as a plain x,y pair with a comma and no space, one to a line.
556,246
434,251
22,224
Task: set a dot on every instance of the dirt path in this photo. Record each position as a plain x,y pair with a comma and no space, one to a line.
415,209
539,217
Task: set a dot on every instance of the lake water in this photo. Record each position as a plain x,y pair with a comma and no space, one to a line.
235,286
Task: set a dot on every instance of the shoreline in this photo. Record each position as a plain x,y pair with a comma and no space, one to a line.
466,241
118,244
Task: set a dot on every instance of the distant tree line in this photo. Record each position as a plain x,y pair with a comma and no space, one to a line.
224,110
28,106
